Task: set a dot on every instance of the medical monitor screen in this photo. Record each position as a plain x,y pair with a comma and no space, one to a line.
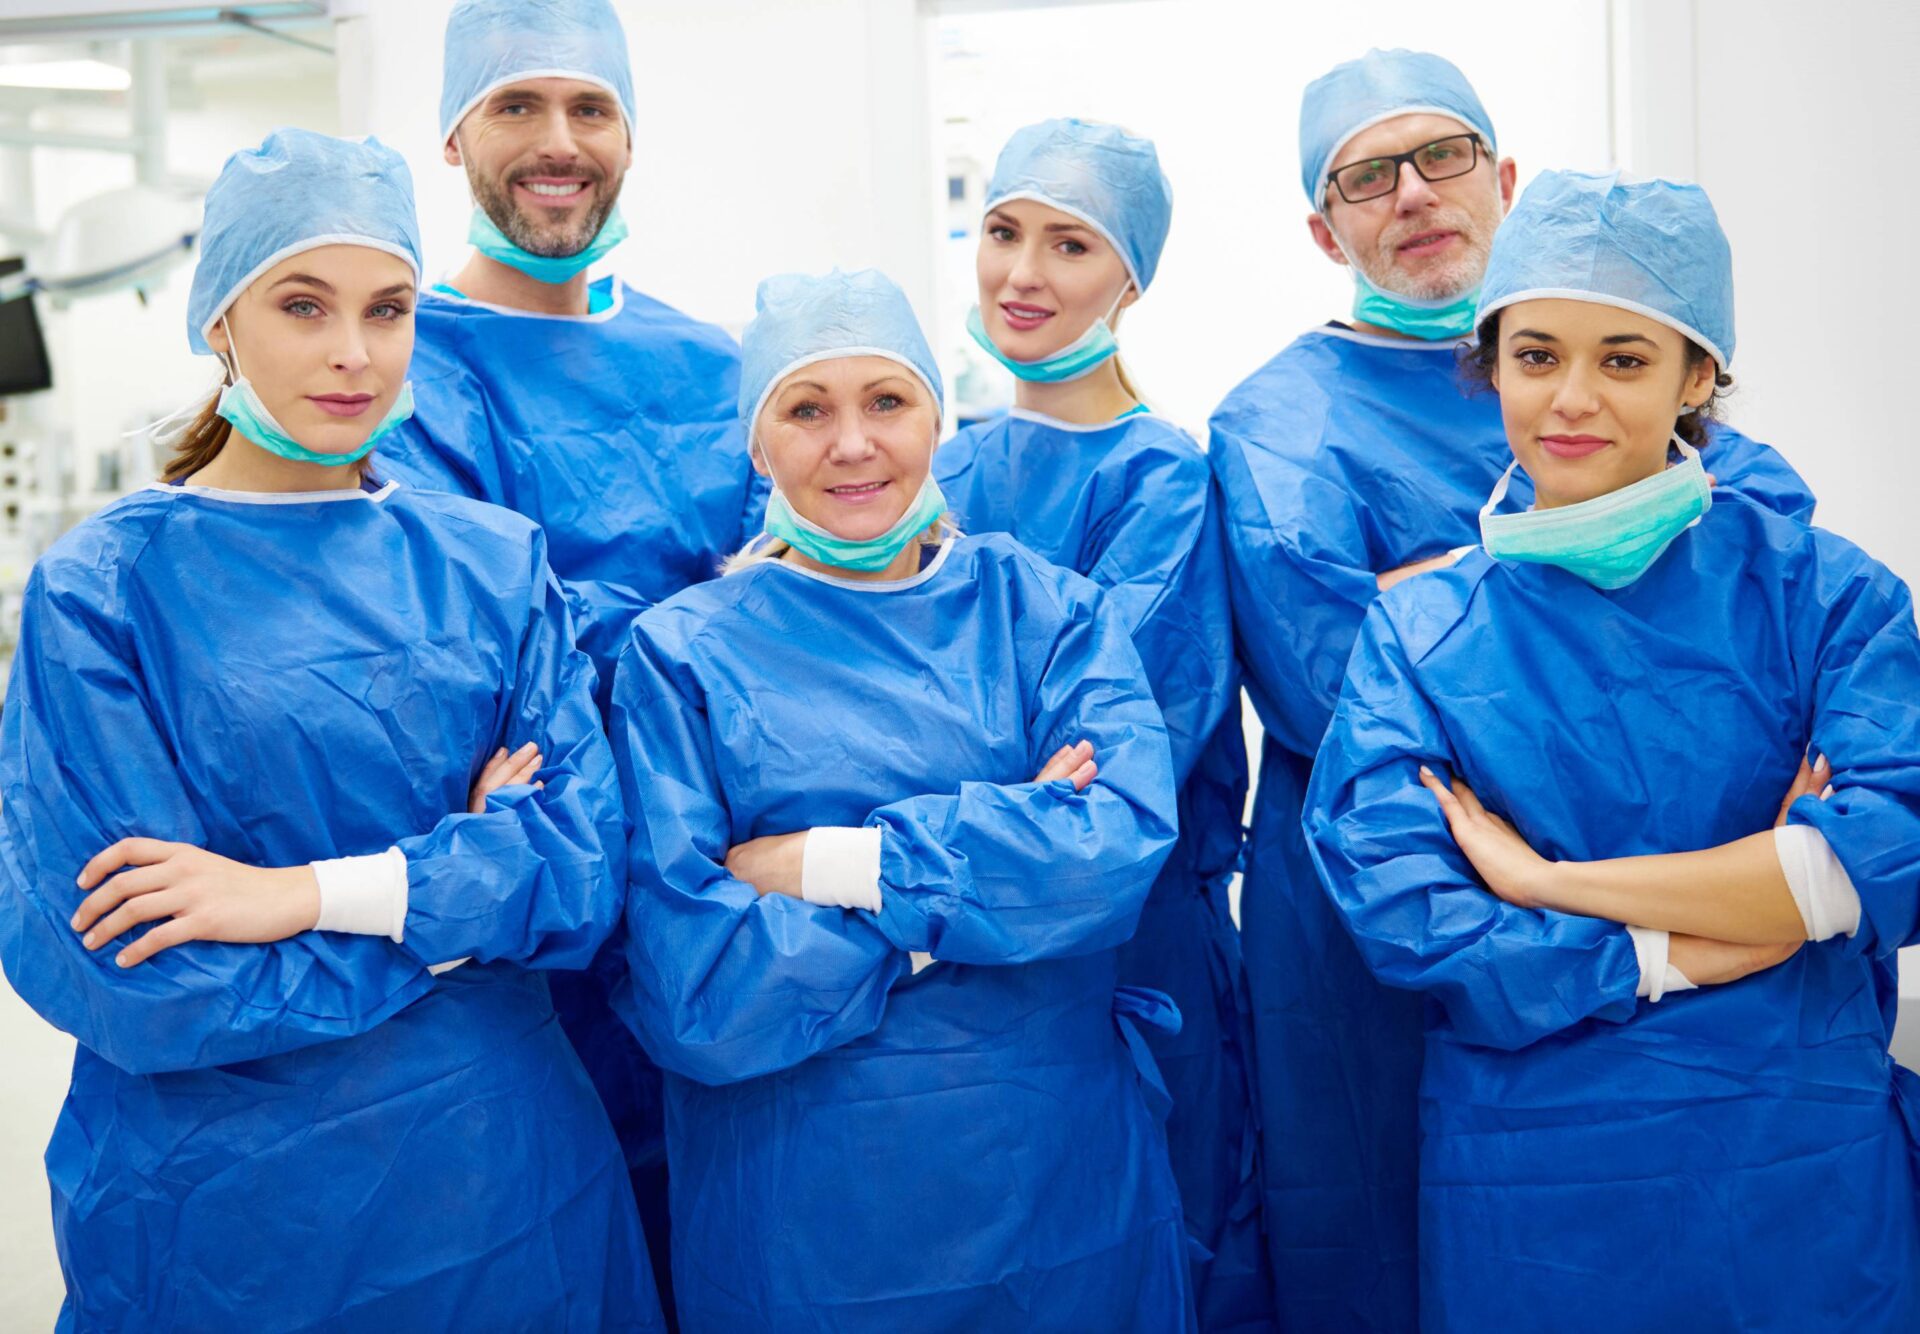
24,368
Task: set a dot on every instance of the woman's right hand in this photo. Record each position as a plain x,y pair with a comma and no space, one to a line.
504,770
1815,779
1074,763
1712,963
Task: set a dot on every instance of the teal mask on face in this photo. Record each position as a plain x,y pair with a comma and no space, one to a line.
1080,357
490,241
869,555
241,406
1611,540
1431,320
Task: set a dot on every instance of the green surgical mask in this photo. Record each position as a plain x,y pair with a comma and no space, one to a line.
1611,540
869,555
490,241
1431,320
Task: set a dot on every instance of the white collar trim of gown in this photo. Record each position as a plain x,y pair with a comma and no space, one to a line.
591,317
277,497
1085,428
1397,344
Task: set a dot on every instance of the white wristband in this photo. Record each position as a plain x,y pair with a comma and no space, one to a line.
364,896
840,867
1657,975
1821,888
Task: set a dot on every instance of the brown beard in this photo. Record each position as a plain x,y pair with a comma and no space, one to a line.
497,202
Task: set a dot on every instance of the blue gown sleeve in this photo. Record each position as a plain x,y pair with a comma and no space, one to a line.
1505,976
1866,721
83,764
1163,566
725,984
1302,579
539,878
1004,873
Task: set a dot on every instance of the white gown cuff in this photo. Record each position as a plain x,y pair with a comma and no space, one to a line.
364,896
840,867
1821,888
1657,976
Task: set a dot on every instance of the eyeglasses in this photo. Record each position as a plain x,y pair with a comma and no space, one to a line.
1441,160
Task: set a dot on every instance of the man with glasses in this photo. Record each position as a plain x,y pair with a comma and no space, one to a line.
1349,462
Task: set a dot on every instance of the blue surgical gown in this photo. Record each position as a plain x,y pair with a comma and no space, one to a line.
1346,456
856,1146
1735,1158
616,432
319,1133
1129,504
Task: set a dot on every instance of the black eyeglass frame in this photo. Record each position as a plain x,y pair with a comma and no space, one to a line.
1412,155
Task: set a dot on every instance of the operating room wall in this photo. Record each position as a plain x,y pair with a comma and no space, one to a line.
1803,133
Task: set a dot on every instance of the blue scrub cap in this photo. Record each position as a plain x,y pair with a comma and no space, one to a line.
1107,178
800,319
1652,247
297,191
495,42
1379,86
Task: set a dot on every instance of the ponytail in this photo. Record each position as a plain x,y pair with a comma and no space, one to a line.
194,448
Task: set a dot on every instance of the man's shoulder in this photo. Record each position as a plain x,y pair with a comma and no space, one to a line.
654,319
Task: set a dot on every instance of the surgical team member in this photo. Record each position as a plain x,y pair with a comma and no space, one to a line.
1347,462
1624,1128
896,796
601,414
1082,473
247,709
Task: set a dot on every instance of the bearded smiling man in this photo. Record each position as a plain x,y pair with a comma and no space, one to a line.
1349,462
605,416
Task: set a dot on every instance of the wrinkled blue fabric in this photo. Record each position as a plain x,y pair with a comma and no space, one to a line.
297,191
318,1132
494,42
1129,504
616,433
1733,1158
970,1147
1099,173
1379,86
1346,456
1654,247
